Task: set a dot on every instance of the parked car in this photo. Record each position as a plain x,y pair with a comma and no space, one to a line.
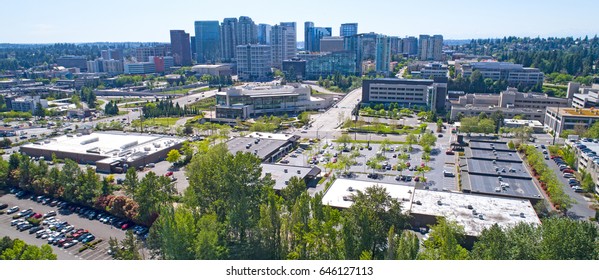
3,206
50,214
12,210
170,173
450,152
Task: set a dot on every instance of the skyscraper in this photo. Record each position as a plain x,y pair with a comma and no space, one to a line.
246,31
228,38
264,34
207,41
348,29
283,43
181,47
410,45
312,36
430,48
383,55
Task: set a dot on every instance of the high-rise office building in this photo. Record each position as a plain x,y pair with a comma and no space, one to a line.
247,32
348,29
116,54
331,44
181,47
312,36
193,46
410,45
234,32
207,41
253,62
143,54
283,42
228,38
430,48
264,34
363,45
395,45
383,55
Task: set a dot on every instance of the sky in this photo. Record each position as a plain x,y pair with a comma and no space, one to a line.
41,21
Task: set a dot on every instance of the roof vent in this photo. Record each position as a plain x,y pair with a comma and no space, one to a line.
439,202
470,207
418,202
286,171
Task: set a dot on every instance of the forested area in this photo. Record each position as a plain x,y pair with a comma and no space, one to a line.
576,57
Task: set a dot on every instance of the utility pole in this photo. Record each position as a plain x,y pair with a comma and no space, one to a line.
555,123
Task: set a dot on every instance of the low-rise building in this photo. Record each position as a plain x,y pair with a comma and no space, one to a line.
405,92
510,102
558,119
110,152
140,68
536,126
27,103
254,100
213,70
514,74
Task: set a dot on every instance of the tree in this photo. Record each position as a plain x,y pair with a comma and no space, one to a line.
367,222
128,249
294,189
428,139
408,246
491,245
411,140
344,139
39,111
444,242
173,156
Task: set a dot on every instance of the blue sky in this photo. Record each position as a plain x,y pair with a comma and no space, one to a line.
41,21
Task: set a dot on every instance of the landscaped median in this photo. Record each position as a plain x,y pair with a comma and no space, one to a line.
546,177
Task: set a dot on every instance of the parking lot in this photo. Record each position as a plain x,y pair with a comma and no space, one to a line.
438,163
99,230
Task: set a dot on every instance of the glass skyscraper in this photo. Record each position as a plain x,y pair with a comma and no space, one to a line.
207,41
348,29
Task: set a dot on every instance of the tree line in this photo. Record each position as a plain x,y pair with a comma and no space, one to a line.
166,108
84,187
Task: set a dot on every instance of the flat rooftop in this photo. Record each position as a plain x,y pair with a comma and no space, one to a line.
109,144
499,168
459,207
573,112
262,149
491,185
499,146
492,155
283,173
341,188
274,136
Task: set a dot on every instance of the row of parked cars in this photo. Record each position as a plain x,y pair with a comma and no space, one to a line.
568,173
55,231
85,212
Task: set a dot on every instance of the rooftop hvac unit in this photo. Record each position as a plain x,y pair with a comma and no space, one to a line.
439,202
286,171
350,189
128,145
90,140
147,148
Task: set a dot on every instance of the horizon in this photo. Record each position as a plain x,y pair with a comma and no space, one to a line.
150,21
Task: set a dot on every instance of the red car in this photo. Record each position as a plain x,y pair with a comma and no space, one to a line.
126,225
552,157
37,216
449,152
170,173
407,164
417,179
422,165
568,171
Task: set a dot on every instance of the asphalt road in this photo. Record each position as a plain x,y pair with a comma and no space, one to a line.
327,123
580,209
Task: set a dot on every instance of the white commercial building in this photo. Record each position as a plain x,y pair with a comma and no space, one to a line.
257,99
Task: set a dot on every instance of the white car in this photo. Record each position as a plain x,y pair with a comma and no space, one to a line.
16,222
12,210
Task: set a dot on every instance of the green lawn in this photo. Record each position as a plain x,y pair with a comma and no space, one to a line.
166,122
204,104
185,90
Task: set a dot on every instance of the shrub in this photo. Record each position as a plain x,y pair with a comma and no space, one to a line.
82,248
34,221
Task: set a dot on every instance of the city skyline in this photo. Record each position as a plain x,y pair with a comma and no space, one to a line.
59,21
